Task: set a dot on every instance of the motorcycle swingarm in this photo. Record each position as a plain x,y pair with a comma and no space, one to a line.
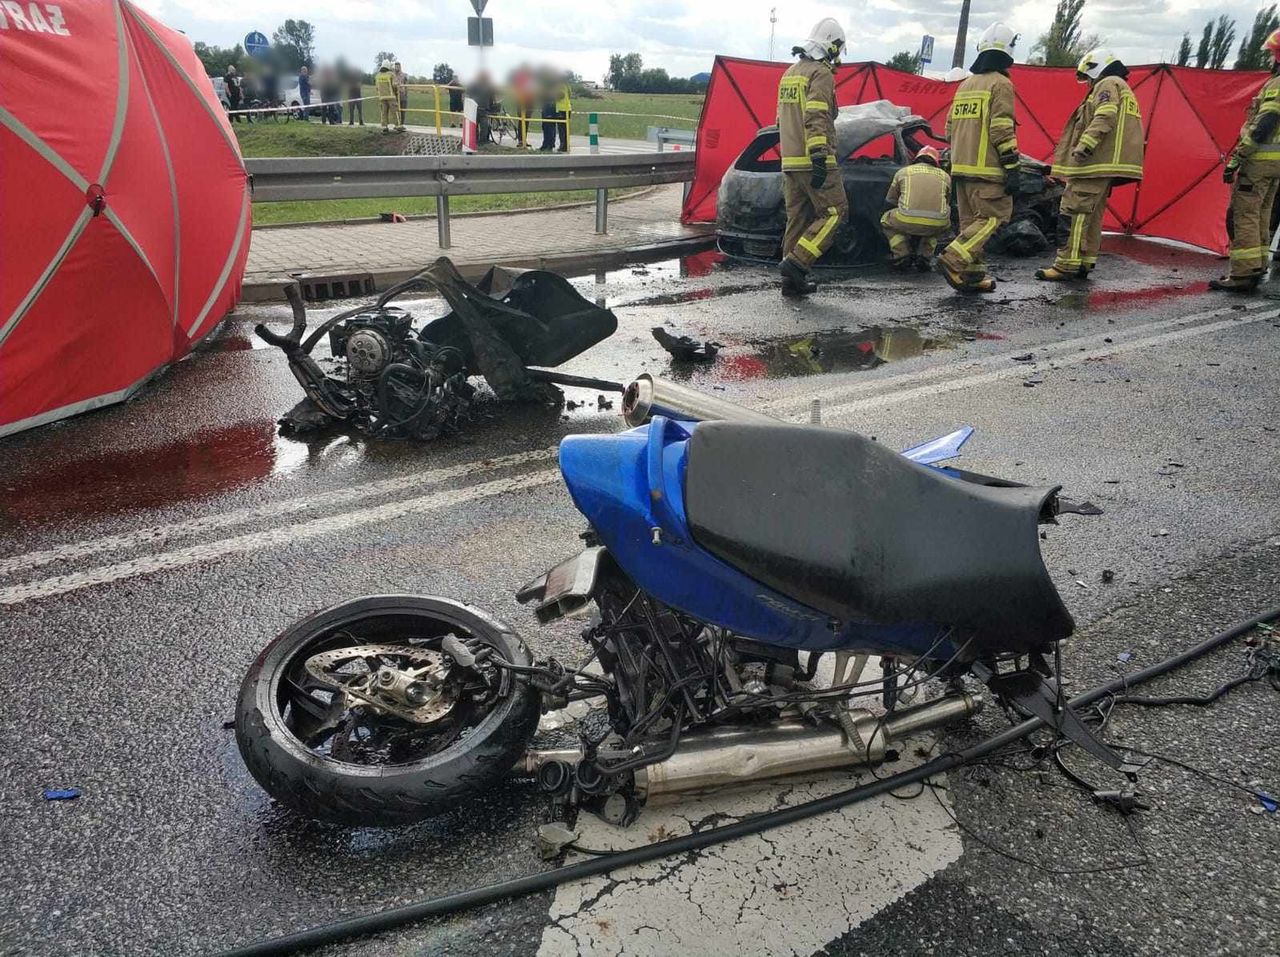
566,590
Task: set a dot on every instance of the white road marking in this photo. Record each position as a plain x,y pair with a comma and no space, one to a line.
875,393
160,534
282,535
788,891
878,393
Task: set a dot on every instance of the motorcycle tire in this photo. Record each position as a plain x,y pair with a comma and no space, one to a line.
320,787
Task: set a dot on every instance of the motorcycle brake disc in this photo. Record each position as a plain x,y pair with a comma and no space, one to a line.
414,691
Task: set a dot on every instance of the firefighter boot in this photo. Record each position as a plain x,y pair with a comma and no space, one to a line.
1054,274
795,281
959,283
1236,283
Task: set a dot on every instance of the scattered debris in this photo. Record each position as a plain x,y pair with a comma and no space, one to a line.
1108,576
392,218
61,794
685,349
1025,357
1124,657
553,838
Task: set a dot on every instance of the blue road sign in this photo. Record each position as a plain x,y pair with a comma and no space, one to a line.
926,49
256,44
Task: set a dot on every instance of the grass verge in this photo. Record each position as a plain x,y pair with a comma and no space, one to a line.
329,210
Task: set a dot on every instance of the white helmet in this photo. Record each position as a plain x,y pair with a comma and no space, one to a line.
1094,62
825,42
386,65
999,37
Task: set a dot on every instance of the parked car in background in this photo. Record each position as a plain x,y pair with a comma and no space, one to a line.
873,141
290,95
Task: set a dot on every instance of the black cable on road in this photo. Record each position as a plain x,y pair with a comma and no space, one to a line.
533,883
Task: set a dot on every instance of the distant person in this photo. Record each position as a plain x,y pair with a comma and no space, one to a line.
402,93
524,91
919,201
564,107
482,91
812,187
304,93
270,88
330,93
455,101
231,83
355,98
384,83
1253,172
557,103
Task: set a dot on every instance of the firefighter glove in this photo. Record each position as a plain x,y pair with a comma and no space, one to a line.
1229,173
819,177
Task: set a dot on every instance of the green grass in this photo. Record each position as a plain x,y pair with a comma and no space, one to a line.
689,106
265,214
295,138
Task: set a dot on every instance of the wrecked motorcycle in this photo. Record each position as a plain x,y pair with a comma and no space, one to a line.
397,382
736,575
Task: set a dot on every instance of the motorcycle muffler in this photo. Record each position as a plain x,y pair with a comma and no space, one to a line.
648,396
720,757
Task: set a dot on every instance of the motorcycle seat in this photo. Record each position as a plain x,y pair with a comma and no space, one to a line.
839,523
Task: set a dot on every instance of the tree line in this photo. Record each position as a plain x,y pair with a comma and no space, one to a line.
1065,43
627,74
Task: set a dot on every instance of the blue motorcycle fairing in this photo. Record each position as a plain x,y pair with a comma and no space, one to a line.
630,486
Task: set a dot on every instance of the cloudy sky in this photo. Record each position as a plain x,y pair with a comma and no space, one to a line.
680,35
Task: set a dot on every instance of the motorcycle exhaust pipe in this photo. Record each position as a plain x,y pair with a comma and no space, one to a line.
648,396
720,757
726,757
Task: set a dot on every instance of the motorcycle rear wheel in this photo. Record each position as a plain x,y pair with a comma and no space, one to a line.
366,782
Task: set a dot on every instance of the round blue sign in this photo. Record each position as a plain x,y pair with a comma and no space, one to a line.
255,44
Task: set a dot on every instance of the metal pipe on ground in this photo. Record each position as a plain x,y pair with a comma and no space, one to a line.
648,396
442,220
546,880
602,211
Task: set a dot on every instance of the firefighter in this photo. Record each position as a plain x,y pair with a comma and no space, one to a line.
919,201
1101,147
811,182
384,82
1254,173
984,159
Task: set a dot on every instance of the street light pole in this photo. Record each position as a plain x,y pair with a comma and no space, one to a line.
962,36
773,20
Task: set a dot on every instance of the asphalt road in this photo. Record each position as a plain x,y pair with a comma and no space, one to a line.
147,552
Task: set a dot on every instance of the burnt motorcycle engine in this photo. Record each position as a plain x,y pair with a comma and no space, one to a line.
401,384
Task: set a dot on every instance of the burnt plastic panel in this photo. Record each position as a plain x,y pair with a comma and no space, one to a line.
852,529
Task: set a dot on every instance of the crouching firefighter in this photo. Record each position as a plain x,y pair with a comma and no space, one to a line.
811,182
1101,147
919,201
984,159
1254,173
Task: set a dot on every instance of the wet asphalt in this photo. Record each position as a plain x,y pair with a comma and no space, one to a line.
149,551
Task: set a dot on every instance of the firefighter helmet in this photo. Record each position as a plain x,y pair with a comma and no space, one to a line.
1093,63
1272,44
825,42
385,65
999,37
929,153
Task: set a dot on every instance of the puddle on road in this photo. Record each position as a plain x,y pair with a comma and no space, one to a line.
202,465
819,353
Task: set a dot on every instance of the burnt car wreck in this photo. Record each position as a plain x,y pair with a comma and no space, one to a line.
393,380
873,141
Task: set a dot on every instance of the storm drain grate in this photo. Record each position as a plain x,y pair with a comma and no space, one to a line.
316,288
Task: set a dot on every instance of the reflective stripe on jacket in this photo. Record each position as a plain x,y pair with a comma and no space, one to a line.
806,114
384,82
1261,160
923,194
1108,127
980,127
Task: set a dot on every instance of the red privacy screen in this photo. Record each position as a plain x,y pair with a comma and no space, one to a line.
1192,118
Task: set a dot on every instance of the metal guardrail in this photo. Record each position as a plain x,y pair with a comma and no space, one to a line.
662,135
363,177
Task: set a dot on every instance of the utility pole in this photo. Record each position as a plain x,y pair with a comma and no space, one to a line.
773,22
962,36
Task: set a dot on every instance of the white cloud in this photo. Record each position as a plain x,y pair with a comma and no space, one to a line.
682,36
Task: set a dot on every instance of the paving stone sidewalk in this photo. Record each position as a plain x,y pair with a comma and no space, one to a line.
551,237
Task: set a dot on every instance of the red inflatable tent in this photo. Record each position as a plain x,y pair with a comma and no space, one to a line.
124,214
1192,119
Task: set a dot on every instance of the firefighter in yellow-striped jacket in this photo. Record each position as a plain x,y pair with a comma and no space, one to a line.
1101,147
919,201
984,159
1254,172
811,184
